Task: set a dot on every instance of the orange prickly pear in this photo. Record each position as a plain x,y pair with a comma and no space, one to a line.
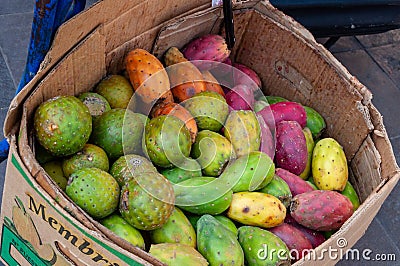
212,83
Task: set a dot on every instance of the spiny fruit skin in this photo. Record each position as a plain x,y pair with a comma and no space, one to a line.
118,132
259,105
225,221
127,166
316,238
295,183
294,239
244,75
256,208
321,210
329,165
213,151
147,201
55,171
210,47
279,189
176,254
262,248
351,194
90,156
63,125
291,147
177,229
96,103
243,131
267,140
94,190
310,147
315,122
186,170
121,228
217,243
289,111
141,65
167,141
209,109
241,97
117,90
272,99
212,83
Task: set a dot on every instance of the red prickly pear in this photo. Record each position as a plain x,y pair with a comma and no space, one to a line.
295,240
291,147
267,115
296,184
222,69
210,47
267,140
316,238
241,97
246,76
321,210
289,111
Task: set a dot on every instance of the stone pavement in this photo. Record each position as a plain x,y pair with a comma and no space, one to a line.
373,59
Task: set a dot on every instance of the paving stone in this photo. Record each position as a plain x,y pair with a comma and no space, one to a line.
374,40
16,6
346,43
388,58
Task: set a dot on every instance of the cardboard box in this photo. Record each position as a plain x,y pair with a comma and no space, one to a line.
284,54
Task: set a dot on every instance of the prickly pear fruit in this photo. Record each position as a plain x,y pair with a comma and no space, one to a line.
329,165
279,189
272,99
315,122
295,240
267,141
217,204
180,112
118,132
90,156
312,184
176,254
291,147
249,208
185,78
321,210
295,183
316,238
96,103
167,141
121,228
289,111
212,83
62,125
244,75
127,166
258,171
268,117
147,201
210,47
117,90
225,221
259,105
310,147
351,194
213,151
209,109
262,248
241,97
141,65
186,170
55,171
94,190
243,131
176,230
217,243
193,218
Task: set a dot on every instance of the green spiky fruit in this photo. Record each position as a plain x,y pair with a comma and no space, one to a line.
351,194
225,221
117,90
188,169
315,122
118,132
213,151
209,109
90,156
55,171
96,103
63,125
127,166
147,201
176,254
272,99
167,141
310,147
94,190
121,228
279,189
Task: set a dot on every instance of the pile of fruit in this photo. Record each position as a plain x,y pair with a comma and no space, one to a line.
188,160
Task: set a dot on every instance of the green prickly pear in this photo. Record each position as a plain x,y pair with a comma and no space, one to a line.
310,147
176,254
177,229
55,171
96,103
186,170
280,189
225,221
117,90
351,194
272,99
315,122
262,248
217,243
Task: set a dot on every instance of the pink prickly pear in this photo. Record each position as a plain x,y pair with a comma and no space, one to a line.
247,76
321,210
296,184
267,144
289,111
268,116
241,97
291,147
316,238
210,47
